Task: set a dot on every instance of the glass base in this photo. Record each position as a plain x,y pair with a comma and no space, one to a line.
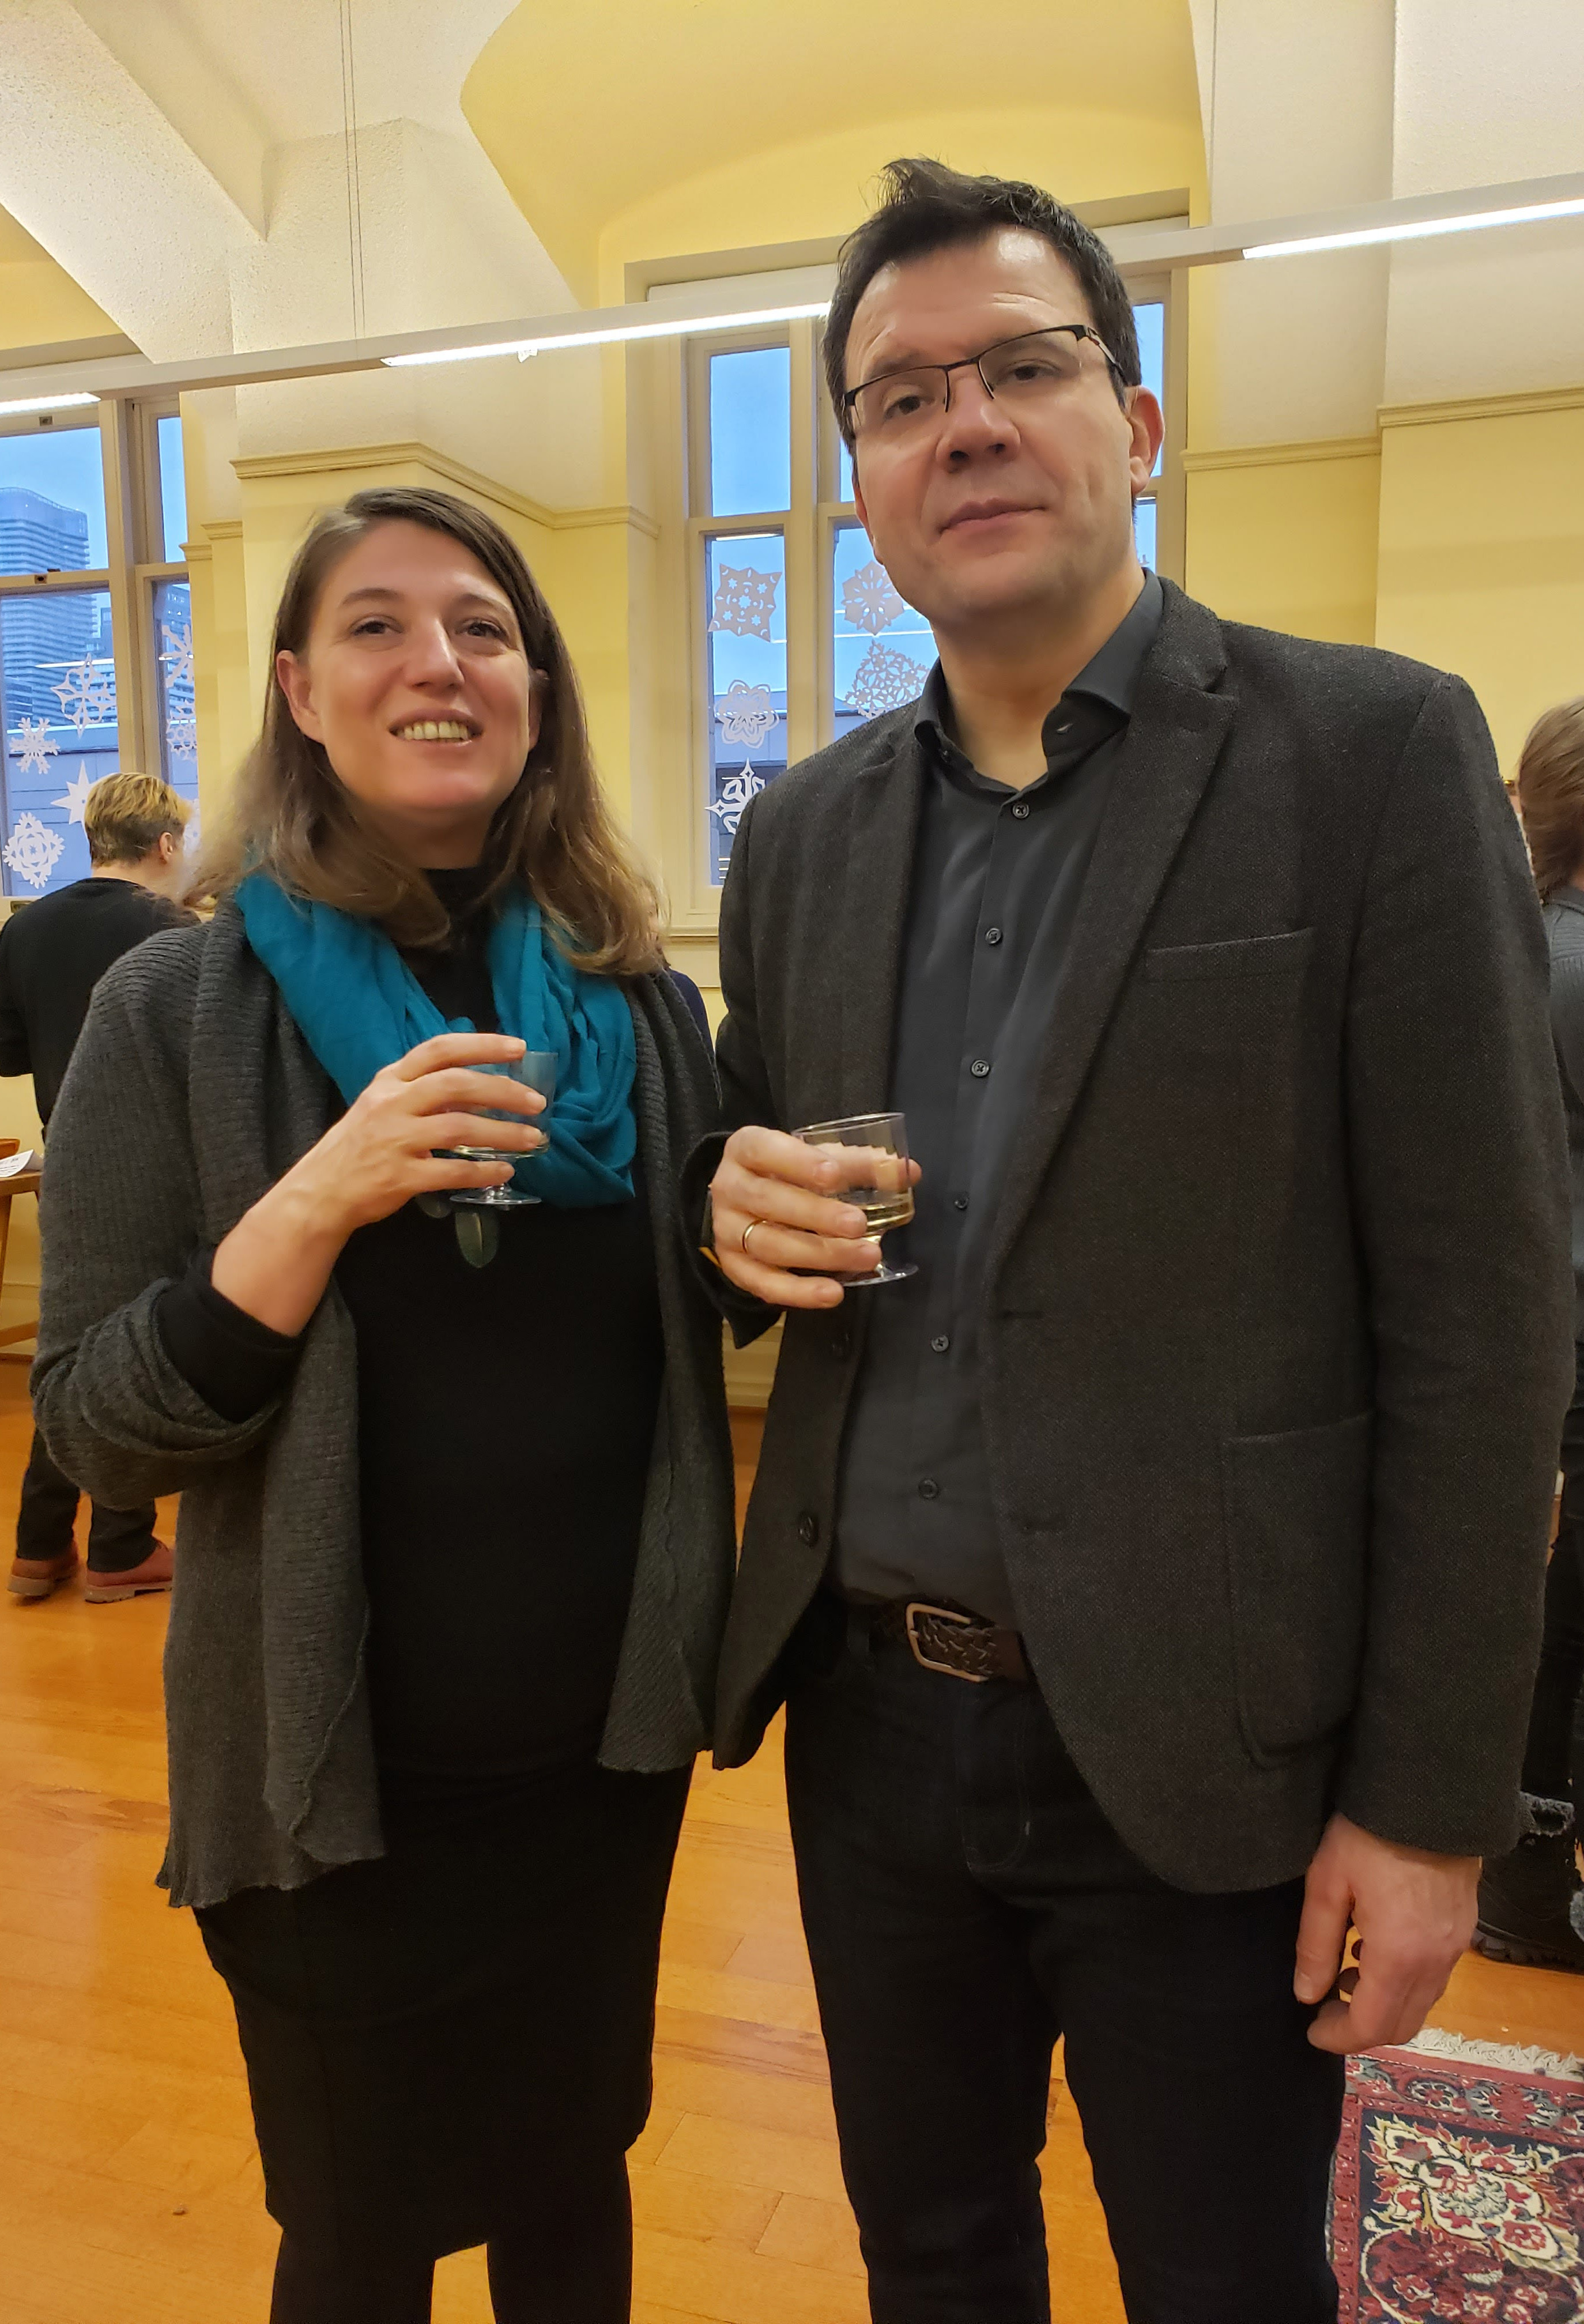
494,1198
881,1274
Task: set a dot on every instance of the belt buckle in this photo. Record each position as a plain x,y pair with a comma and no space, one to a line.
949,1615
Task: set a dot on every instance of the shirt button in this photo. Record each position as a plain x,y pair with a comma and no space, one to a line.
992,936
940,1343
808,1530
980,1068
929,1490
959,1202
1021,811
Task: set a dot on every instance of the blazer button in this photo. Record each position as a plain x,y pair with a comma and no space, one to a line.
808,1530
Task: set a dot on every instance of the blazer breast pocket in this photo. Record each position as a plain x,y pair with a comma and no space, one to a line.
1237,957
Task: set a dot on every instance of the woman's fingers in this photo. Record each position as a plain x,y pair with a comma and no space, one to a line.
465,1129
455,1085
457,1050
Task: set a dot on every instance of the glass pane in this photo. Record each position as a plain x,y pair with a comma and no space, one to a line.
881,650
52,501
843,471
174,660
746,576
1144,532
1151,323
750,432
172,488
58,713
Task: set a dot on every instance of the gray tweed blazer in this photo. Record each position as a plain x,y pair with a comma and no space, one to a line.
190,1092
1278,1323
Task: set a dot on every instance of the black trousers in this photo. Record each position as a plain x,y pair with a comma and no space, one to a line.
118,1539
965,1902
1553,1756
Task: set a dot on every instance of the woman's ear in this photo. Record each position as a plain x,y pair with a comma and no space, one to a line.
293,678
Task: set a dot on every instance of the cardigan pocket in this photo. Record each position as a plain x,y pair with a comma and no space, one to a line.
1296,1515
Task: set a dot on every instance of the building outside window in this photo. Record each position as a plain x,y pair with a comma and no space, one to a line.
96,627
799,634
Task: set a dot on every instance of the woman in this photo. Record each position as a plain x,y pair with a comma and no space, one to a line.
1530,1904
456,1527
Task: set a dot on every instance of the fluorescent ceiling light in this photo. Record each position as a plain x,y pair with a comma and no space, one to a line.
673,328
45,403
1416,231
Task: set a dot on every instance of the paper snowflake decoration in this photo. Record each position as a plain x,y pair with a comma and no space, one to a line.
735,793
869,601
32,851
884,680
77,793
746,714
31,746
178,654
745,601
86,693
180,732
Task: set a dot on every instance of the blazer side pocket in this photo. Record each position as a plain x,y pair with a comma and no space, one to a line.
1237,957
1297,1518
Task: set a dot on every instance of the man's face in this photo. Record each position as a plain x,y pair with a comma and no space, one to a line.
991,514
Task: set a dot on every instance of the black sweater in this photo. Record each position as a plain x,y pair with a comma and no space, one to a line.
52,954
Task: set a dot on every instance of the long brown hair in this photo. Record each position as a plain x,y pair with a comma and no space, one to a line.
554,834
1550,795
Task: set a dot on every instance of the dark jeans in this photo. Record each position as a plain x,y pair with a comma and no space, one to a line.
118,1539
965,1902
1553,1758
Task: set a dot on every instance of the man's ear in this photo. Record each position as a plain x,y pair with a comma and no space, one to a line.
293,678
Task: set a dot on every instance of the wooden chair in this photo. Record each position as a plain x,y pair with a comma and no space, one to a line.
25,1182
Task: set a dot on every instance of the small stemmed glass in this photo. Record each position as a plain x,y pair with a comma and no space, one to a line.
536,1070
879,1179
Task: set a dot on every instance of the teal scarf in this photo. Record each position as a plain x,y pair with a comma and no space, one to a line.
359,1007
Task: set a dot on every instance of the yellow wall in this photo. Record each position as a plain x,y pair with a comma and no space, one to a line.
1284,536
1482,549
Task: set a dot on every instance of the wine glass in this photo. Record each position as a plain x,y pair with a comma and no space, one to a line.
536,1070
878,1179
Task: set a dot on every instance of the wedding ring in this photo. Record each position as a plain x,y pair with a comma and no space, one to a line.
747,1230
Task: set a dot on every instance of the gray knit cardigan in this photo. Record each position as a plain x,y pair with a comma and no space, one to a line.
189,1093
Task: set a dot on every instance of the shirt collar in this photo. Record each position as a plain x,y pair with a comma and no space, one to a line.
1110,676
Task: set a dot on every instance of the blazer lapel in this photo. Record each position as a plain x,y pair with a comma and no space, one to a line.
869,937
1175,736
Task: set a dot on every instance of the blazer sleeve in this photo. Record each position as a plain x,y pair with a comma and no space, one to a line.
1459,1164
119,1223
15,1055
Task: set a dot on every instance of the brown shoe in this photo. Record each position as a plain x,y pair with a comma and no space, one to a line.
154,1573
36,1577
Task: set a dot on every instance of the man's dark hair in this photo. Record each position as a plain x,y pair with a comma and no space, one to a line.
926,207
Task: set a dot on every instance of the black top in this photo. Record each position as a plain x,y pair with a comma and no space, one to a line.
52,954
997,878
506,1416
1564,928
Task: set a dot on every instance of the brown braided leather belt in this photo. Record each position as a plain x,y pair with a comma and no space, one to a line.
946,1639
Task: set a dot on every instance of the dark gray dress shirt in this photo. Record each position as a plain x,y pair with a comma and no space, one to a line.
997,878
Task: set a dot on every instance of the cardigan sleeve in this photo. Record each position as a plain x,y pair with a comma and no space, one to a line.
119,1220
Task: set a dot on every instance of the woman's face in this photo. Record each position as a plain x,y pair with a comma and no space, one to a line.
416,680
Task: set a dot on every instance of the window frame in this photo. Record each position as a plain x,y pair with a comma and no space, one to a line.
135,536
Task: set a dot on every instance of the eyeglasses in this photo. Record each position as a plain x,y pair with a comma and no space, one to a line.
1025,372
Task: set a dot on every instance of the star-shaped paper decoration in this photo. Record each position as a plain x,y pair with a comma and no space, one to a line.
77,794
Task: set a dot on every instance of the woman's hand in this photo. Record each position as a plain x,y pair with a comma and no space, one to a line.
278,1258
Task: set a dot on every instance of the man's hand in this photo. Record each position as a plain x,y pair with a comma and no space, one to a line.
785,1196
1415,1914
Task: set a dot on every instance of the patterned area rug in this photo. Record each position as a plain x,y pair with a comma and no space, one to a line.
1459,2194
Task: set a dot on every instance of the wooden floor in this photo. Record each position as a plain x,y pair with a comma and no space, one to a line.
129,2184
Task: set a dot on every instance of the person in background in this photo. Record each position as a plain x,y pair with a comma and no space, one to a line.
1153,1579
52,954
1531,1906
456,1535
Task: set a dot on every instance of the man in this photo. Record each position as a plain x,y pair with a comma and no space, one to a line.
1153,1579
52,954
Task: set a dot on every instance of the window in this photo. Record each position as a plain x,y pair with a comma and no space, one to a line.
797,632
96,627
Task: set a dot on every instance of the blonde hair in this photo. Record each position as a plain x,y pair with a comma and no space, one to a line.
128,814
1550,795
553,835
